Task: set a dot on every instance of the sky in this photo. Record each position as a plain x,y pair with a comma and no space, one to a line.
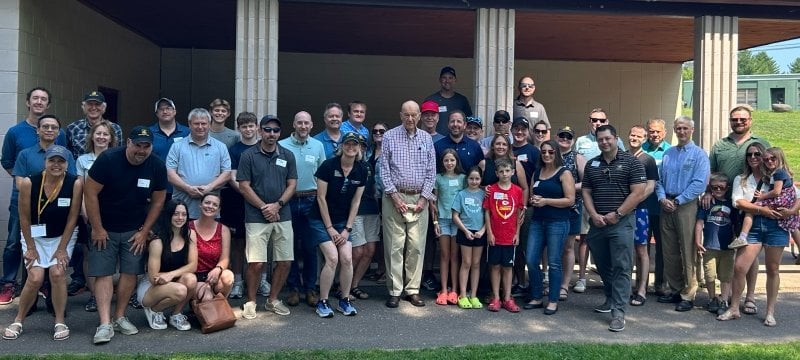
783,52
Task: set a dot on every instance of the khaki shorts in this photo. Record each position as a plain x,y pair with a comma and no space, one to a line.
258,237
584,222
366,228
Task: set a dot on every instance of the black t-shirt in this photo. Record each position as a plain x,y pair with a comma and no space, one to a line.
340,189
125,197
56,212
651,171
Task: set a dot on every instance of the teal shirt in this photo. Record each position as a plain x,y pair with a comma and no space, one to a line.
446,189
308,155
469,206
657,152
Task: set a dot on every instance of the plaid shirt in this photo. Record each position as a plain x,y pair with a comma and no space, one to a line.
77,133
408,162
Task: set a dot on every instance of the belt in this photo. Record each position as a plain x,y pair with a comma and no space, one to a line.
305,194
409,191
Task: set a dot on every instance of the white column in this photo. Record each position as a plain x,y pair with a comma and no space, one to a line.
494,63
257,56
12,89
715,71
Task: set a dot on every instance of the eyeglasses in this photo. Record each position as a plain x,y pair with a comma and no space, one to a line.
540,132
345,185
596,120
273,130
501,121
548,152
718,187
49,127
753,154
565,137
739,119
378,131
607,173
770,158
527,86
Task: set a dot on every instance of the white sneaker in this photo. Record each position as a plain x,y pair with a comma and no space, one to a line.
249,310
124,326
237,291
180,322
155,319
103,334
738,242
277,307
263,288
580,286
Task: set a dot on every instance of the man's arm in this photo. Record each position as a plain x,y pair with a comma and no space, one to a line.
90,192
699,180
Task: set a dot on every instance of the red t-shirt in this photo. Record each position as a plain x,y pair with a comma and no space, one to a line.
503,207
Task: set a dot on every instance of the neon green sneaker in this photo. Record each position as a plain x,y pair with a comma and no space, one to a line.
476,304
464,303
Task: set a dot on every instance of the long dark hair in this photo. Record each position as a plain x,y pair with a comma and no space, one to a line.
163,228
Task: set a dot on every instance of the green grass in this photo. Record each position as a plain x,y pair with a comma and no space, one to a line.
775,351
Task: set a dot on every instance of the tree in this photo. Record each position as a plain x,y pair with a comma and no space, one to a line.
794,67
688,70
760,63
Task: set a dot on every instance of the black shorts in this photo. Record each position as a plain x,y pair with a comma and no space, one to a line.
461,239
502,255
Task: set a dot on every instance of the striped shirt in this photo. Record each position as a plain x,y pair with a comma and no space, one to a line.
610,182
408,162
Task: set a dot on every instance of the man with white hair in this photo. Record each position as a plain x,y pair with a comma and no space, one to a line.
94,107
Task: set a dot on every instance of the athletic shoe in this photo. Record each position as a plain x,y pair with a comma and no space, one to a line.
249,310
580,286
91,304
713,305
430,284
7,294
124,326
347,308
324,310
75,288
237,291
604,308
277,307
103,334
155,319
739,242
617,324
134,302
180,322
263,288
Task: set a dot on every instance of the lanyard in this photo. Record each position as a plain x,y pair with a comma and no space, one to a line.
39,207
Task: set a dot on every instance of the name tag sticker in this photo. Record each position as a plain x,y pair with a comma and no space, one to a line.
39,230
442,109
64,202
498,196
536,184
177,139
535,114
595,163
469,201
523,157
454,182
280,162
311,158
143,183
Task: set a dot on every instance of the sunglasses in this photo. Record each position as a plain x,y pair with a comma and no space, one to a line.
739,119
526,86
771,159
596,120
501,121
719,187
273,130
565,137
379,131
540,132
548,152
753,154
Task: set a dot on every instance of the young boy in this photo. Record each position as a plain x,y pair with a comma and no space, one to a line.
713,233
504,210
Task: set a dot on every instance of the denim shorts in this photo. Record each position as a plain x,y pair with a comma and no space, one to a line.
448,227
575,219
319,234
765,231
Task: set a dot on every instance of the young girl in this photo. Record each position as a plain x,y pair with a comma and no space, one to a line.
468,217
781,195
449,181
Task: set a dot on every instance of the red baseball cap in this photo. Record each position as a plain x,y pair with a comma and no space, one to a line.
430,105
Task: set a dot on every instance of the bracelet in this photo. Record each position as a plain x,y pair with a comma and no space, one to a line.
220,268
435,222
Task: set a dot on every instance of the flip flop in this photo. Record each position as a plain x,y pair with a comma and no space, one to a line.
770,321
12,331
60,332
637,300
562,296
750,307
728,315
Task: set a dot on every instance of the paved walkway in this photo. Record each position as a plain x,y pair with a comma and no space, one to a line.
409,327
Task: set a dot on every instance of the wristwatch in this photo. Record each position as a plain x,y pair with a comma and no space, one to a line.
619,214
349,229
281,203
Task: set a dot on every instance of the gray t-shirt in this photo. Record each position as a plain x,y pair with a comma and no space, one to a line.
267,174
446,105
226,136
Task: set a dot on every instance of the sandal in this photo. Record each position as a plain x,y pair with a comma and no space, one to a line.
770,321
441,298
637,300
12,331
61,332
728,315
562,296
750,307
359,294
464,303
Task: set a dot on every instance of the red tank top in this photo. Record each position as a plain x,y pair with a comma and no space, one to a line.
208,250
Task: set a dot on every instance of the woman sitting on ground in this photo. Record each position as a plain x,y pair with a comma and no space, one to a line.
213,250
171,262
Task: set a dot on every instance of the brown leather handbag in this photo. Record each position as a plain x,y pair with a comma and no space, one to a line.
215,314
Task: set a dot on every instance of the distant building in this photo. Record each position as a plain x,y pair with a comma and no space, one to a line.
760,91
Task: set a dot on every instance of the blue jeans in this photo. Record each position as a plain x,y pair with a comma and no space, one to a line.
12,254
550,234
305,247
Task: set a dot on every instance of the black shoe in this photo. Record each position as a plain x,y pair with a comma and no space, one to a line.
550,312
669,299
684,305
430,284
517,290
393,302
415,300
75,288
530,305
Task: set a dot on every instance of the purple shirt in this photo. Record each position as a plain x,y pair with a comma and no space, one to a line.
408,162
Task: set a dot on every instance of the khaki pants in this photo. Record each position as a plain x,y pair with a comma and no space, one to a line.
679,250
403,246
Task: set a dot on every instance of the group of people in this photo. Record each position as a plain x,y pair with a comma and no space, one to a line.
189,212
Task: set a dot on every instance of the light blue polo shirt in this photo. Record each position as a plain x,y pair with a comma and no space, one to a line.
309,155
197,165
